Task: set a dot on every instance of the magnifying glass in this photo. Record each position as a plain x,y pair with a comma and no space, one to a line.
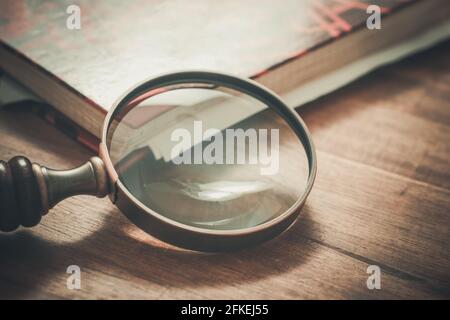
205,161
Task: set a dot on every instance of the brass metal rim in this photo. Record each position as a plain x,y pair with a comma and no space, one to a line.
187,236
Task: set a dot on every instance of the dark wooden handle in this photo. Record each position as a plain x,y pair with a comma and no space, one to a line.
28,191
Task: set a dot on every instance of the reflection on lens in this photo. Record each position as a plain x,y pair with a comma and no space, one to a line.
207,156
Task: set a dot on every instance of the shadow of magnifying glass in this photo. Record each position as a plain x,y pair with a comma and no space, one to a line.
119,247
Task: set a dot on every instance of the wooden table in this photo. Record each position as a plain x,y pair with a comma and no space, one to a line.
382,197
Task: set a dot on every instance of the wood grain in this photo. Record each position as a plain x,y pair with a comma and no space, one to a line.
382,197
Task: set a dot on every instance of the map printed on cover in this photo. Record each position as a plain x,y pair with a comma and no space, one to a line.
123,42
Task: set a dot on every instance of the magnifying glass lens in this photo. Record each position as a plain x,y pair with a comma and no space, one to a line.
207,156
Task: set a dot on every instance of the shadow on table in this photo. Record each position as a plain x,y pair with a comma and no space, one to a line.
118,247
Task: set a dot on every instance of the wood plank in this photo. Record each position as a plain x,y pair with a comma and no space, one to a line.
382,217
398,124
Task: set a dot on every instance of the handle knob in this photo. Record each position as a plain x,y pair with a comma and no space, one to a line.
28,191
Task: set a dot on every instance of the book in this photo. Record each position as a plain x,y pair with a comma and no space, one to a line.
299,49
15,97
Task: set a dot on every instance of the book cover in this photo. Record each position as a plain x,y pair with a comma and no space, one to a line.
123,42
120,43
